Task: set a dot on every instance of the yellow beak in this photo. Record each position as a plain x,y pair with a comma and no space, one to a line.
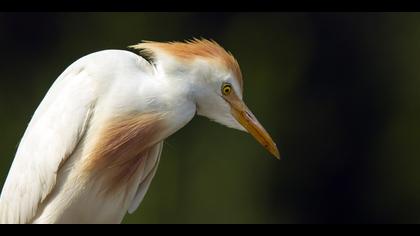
245,117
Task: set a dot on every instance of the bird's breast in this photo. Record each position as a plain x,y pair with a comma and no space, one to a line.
98,182
103,174
116,152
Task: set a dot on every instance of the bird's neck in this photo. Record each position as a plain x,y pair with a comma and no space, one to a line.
176,92
185,80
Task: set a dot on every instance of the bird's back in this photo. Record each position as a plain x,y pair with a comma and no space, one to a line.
44,184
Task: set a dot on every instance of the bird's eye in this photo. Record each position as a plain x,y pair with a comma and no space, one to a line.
226,89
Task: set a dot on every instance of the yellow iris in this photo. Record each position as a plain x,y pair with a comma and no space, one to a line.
226,89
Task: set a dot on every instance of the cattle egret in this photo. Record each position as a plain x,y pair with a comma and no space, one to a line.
93,145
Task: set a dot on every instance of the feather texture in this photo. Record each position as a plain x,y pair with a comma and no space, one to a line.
120,147
51,137
192,49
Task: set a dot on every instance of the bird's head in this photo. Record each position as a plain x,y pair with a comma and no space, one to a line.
215,83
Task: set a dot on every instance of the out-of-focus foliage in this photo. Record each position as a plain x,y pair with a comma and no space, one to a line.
339,92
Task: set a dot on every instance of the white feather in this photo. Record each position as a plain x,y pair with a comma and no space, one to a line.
150,170
50,138
44,184
94,87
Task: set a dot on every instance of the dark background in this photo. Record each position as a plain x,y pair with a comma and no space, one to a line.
339,92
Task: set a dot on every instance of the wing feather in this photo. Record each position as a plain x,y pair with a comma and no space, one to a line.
151,165
52,134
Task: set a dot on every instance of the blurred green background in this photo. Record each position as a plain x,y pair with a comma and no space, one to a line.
339,92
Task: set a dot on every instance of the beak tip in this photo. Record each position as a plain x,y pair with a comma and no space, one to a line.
273,150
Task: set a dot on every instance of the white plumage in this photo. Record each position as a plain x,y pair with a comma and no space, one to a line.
82,124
